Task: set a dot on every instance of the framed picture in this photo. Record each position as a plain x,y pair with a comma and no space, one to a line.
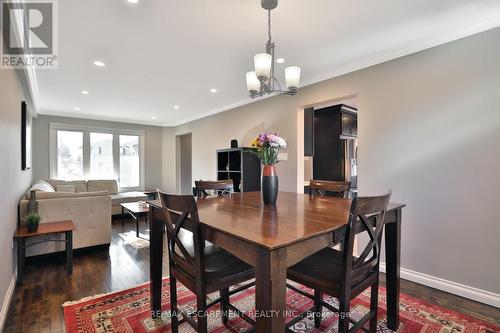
25,137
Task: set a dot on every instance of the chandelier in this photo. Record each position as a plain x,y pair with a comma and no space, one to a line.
262,81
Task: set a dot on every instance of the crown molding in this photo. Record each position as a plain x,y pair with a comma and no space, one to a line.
489,23
485,24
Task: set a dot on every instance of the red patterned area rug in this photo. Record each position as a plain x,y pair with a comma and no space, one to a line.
129,311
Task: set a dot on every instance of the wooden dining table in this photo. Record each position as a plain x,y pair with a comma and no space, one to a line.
273,238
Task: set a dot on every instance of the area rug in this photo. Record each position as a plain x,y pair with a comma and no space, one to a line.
129,311
130,238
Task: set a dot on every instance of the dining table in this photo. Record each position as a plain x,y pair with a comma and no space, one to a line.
272,238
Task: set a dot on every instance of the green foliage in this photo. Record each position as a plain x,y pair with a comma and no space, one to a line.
268,155
32,219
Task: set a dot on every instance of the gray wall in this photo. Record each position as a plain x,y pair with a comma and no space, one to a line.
429,129
185,163
14,181
153,144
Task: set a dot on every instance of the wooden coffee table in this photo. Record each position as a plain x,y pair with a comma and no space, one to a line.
49,230
135,210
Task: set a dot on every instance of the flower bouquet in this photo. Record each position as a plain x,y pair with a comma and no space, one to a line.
266,146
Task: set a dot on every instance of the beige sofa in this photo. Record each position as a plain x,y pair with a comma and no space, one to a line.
89,204
111,186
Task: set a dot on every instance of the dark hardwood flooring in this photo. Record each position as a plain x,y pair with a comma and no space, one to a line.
37,300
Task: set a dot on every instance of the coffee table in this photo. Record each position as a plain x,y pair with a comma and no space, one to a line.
136,210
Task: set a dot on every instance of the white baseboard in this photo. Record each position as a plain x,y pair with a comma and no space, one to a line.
7,300
451,287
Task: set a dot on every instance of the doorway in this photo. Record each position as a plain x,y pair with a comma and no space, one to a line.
184,172
327,142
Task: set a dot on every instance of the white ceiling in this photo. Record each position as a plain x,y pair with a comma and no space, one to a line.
161,53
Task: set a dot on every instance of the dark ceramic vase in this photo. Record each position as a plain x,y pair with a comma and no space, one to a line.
269,183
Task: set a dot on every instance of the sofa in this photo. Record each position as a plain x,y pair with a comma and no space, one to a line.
89,204
111,186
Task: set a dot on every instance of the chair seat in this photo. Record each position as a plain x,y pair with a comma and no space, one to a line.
322,271
220,265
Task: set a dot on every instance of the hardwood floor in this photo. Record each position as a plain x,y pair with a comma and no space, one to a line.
36,304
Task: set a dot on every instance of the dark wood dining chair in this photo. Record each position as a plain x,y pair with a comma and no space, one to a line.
218,186
342,275
337,188
199,265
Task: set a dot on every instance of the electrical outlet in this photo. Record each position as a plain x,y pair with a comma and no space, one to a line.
283,156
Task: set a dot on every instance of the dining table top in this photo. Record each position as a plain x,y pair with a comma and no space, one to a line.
295,216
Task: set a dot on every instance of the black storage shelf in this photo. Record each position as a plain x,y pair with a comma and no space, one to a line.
240,165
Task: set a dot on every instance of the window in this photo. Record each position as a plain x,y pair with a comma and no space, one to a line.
129,161
101,156
78,152
69,155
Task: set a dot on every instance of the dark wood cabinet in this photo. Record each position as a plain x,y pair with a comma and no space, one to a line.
334,140
240,165
309,132
349,124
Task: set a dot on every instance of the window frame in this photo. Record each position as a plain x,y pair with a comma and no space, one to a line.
86,130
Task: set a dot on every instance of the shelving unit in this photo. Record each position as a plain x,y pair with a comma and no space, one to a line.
240,165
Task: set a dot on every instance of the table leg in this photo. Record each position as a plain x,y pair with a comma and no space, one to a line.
156,260
137,226
21,253
123,216
270,274
392,260
69,251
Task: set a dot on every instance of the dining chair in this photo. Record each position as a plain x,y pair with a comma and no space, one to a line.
338,188
218,186
199,265
341,274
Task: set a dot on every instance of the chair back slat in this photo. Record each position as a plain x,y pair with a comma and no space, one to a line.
183,210
219,186
320,187
367,216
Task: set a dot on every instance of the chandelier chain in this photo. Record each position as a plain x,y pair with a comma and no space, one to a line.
269,24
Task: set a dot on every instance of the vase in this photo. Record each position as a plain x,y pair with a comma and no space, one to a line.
32,203
269,183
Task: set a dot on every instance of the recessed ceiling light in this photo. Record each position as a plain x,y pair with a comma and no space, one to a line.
77,108
177,107
280,60
213,90
153,118
85,92
133,1
99,63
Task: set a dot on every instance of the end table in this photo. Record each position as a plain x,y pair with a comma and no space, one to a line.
49,230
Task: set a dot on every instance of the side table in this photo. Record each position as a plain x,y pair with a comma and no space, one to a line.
49,230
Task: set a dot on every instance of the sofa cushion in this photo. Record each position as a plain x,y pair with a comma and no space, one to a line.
66,188
103,185
80,185
119,198
57,195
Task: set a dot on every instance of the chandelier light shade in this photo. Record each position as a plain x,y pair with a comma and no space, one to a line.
253,83
262,81
292,77
262,63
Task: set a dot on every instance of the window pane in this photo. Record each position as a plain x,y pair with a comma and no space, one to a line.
69,155
129,161
101,156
